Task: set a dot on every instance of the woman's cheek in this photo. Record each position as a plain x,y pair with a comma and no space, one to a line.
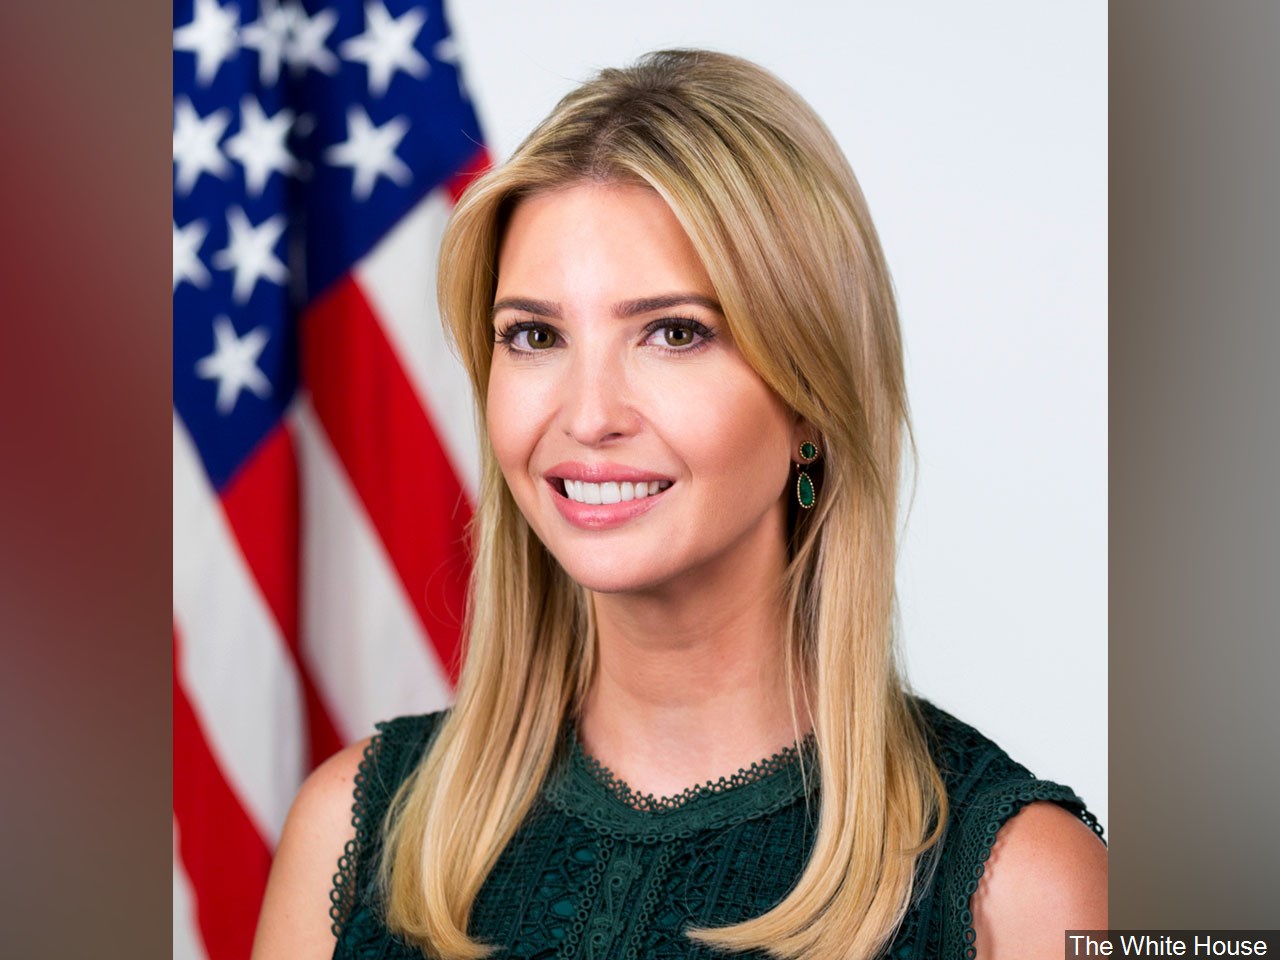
503,421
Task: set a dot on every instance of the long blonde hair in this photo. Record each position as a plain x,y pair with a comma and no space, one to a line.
772,208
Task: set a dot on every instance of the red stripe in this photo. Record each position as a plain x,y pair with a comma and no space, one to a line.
459,182
385,441
223,853
261,504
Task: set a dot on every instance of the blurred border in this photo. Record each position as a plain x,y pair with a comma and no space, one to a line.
85,478
1195,463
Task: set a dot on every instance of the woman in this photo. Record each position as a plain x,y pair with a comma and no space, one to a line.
683,341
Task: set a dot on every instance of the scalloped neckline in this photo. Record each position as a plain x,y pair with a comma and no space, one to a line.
649,803
583,788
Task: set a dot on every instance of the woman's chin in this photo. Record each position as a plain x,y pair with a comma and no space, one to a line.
612,575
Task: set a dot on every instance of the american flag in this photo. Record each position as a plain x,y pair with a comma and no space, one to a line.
324,457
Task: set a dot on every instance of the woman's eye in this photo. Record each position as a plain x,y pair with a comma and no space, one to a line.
527,337
539,338
682,335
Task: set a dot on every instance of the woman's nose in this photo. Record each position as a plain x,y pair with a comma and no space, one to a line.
596,404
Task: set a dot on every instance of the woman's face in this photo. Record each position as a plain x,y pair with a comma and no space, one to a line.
638,443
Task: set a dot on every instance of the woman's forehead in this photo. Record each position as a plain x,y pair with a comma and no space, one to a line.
591,240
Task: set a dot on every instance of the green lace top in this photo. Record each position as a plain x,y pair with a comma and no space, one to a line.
599,871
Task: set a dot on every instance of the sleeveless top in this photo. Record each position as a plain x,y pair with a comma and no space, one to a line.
597,870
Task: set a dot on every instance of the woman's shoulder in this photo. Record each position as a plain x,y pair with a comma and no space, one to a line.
1045,874
1019,854
401,742
371,767
977,772
410,727
295,921
321,860
965,756
357,782
385,762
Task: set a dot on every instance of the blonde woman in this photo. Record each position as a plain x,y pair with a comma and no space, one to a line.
680,730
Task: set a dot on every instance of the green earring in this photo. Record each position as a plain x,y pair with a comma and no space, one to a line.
805,492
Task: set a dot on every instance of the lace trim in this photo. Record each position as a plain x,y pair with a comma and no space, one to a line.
589,792
978,836
343,894
648,803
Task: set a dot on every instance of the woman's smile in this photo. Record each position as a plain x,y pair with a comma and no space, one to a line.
602,496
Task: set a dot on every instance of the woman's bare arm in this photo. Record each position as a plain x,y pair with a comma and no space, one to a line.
1047,874
295,923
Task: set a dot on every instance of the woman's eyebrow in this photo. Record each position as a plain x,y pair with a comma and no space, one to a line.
625,309
631,308
539,308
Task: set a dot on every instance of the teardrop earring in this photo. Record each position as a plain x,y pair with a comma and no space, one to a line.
805,492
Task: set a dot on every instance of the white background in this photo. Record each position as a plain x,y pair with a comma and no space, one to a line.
978,133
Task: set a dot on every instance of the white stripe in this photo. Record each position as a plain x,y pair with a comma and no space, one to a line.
398,276
362,639
187,944
233,663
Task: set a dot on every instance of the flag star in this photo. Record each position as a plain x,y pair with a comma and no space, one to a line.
234,364
306,40
249,252
186,254
211,36
270,35
387,46
370,152
195,144
446,51
259,146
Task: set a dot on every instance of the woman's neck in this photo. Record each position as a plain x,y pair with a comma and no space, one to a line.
690,684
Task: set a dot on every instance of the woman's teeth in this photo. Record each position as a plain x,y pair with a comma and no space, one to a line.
580,491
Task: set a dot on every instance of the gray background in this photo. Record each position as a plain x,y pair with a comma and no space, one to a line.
1195,463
